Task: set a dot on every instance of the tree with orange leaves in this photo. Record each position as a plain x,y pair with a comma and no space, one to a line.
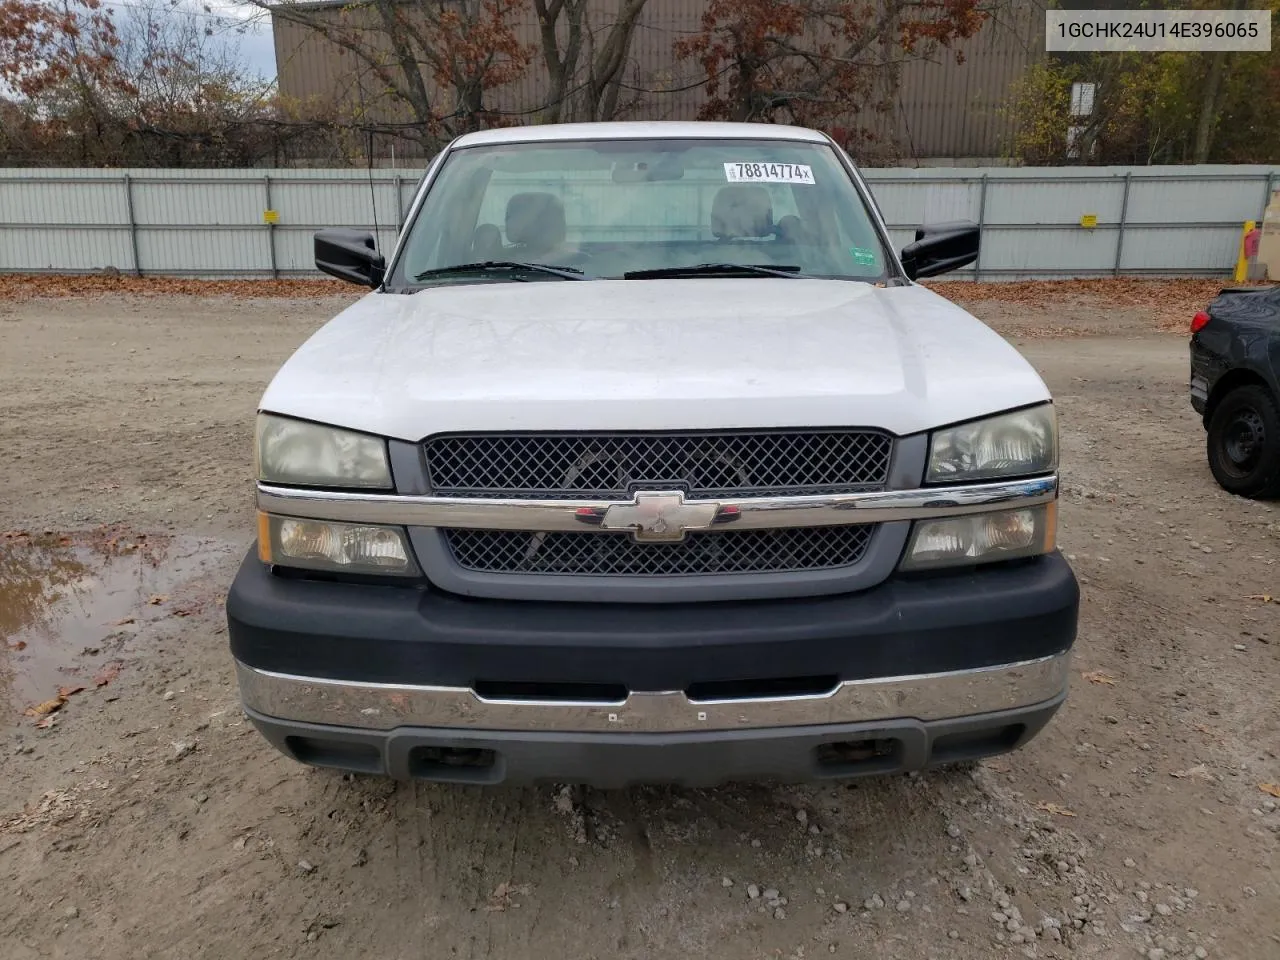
155,89
46,44
817,63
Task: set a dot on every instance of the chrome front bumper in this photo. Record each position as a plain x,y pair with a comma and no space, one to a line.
385,706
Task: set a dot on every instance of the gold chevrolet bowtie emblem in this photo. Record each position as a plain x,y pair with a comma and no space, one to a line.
660,516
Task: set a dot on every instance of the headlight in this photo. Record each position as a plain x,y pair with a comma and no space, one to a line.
341,547
1011,445
296,452
982,538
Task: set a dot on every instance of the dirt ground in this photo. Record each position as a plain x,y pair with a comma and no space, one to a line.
146,819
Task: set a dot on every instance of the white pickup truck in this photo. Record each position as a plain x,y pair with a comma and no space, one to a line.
646,459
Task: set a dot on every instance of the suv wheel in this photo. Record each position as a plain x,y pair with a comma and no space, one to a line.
1244,443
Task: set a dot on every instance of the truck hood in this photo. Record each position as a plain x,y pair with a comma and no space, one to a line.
652,355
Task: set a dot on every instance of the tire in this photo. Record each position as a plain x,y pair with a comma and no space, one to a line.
1244,443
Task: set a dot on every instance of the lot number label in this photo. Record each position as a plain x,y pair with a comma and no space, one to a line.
768,173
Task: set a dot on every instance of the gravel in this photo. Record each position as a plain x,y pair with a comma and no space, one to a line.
904,906
841,907
753,892
989,805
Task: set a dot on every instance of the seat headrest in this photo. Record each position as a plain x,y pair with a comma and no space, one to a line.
535,220
741,211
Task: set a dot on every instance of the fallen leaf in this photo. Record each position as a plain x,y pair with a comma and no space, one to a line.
1097,676
1271,788
1264,597
53,706
123,621
108,673
158,599
47,722
1049,807
1198,772
18,645
45,708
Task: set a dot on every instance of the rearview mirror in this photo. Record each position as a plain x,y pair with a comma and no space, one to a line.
350,255
941,248
665,167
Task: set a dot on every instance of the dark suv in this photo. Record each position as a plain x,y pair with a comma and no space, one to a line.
1235,386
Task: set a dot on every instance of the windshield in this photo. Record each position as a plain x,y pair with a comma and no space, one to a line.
638,209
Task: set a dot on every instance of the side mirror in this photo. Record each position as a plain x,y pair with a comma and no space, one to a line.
350,255
941,248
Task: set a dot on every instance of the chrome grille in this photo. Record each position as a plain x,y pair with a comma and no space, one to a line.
614,465
618,555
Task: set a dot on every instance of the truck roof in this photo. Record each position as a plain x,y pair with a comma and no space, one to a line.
639,130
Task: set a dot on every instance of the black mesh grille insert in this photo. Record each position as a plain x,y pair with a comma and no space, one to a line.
610,554
704,465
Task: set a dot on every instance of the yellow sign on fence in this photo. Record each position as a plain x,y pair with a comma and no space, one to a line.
270,216
1089,220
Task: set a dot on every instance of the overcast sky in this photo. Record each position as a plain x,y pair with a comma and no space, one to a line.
255,44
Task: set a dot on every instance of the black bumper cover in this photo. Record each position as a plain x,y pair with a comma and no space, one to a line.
412,635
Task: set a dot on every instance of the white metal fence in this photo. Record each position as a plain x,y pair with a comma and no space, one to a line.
1036,222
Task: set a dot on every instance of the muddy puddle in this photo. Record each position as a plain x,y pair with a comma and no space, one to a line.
71,608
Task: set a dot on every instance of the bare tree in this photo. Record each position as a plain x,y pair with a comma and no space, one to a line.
595,97
428,63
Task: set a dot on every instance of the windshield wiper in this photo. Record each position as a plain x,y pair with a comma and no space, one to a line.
699,269
493,266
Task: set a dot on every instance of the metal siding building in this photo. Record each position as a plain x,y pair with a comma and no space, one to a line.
941,109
